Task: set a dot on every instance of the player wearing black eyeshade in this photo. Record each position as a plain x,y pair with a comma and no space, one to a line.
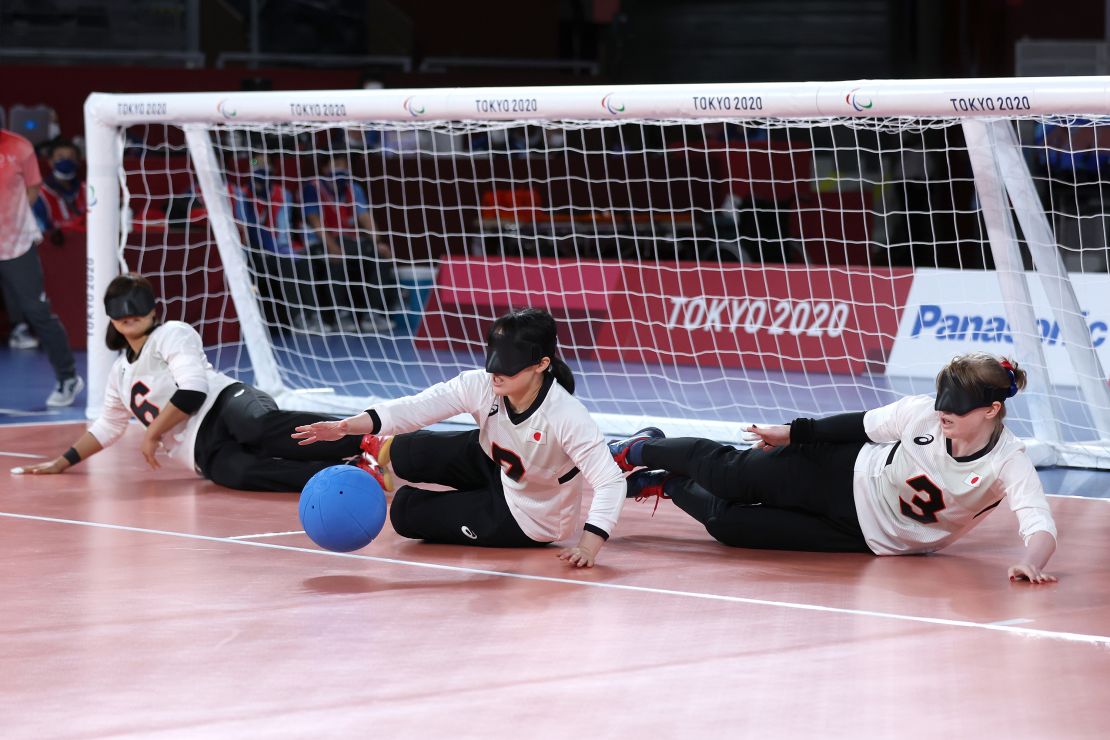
227,431
910,477
519,478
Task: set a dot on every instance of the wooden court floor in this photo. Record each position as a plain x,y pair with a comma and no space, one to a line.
140,604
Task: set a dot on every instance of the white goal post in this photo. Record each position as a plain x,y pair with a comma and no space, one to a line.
718,253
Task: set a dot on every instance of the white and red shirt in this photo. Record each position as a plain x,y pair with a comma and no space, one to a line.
546,459
19,170
912,496
173,358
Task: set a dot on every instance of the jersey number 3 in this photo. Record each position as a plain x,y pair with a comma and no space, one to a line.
923,510
144,410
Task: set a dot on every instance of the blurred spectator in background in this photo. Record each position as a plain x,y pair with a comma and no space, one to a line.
20,336
263,209
20,270
1072,157
61,202
359,262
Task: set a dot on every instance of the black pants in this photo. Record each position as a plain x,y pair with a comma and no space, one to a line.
22,280
798,497
362,278
244,443
475,513
286,284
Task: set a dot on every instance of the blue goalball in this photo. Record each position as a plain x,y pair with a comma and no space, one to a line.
342,508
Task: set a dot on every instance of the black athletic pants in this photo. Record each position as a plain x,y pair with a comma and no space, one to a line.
244,442
475,513
798,497
22,279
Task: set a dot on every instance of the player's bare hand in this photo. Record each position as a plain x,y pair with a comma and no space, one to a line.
579,557
768,436
1030,573
149,448
321,431
57,465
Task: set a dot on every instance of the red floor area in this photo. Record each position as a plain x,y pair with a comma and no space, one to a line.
159,625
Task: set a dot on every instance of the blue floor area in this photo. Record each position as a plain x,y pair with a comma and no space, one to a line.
625,388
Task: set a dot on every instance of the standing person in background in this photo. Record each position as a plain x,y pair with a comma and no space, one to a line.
20,269
20,336
359,261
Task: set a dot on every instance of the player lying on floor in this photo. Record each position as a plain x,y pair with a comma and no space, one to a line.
518,478
910,477
227,431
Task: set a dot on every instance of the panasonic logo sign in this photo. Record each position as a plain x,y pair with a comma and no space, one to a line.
934,322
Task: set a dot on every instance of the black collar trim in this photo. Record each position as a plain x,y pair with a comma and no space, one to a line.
516,418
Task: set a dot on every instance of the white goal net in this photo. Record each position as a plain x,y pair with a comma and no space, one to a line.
716,255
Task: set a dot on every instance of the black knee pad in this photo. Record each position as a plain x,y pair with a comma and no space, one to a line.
726,530
398,510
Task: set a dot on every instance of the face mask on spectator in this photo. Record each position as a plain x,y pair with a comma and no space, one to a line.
65,169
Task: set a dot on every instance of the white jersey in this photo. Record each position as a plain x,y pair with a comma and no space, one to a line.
540,457
912,496
172,359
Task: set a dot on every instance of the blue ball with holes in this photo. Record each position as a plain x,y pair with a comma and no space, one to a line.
342,508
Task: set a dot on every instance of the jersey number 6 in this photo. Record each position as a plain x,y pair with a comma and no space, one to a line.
144,410
927,508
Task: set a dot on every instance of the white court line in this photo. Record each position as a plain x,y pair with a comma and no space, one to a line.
264,534
1019,631
20,454
25,412
55,422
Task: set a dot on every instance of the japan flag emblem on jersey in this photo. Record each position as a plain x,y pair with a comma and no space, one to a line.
538,437
973,480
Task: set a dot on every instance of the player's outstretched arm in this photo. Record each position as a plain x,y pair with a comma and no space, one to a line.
1037,552
330,431
81,449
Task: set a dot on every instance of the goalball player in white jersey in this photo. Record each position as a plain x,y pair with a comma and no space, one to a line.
225,430
518,478
910,477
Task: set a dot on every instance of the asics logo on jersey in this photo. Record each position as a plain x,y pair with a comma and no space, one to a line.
469,532
492,409
924,439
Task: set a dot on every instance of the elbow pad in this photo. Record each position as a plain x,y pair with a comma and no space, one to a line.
188,401
838,428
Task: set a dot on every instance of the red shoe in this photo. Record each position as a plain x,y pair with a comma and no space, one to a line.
372,444
369,463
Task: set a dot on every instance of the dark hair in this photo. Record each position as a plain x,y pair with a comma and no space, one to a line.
63,144
121,285
536,326
984,370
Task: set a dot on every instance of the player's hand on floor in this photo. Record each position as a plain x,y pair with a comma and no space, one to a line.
768,436
579,557
1027,572
149,448
321,431
57,465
